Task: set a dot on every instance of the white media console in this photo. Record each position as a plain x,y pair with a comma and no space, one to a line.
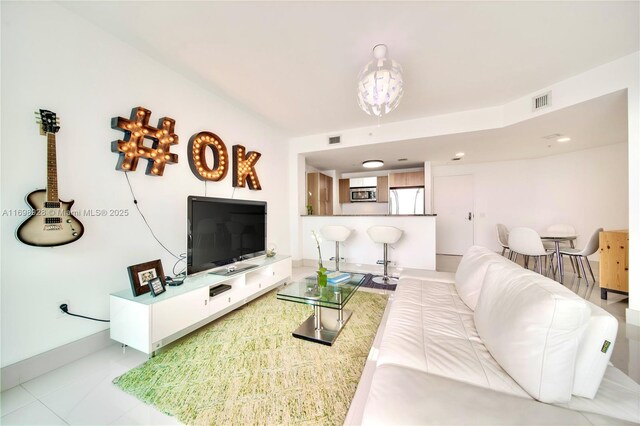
148,323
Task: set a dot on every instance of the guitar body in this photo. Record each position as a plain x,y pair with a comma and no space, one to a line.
51,224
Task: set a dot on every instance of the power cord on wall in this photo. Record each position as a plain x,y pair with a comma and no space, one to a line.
135,202
65,308
178,278
180,258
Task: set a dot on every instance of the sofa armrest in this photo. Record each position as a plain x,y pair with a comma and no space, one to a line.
401,395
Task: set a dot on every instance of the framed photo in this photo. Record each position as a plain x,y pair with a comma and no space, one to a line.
140,275
156,287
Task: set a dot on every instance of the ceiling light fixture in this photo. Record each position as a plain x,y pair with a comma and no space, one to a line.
563,139
459,154
372,164
380,84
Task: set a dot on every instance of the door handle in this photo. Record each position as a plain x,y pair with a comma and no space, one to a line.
469,215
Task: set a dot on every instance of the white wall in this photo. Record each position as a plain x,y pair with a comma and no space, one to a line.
53,59
587,189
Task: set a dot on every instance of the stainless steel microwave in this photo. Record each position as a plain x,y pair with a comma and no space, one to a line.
363,194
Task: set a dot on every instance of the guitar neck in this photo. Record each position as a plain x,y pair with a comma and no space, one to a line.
52,169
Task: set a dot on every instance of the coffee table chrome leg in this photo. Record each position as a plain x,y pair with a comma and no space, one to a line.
338,296
328,331
317,318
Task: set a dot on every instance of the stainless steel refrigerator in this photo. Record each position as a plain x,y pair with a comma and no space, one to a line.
406,201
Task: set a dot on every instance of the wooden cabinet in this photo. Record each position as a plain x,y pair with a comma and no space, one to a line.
382,189
614,262
326,194
406,180
320,193
344,191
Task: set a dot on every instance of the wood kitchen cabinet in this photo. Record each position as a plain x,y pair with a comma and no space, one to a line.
320,193
406,179
382,189
614,262
344,192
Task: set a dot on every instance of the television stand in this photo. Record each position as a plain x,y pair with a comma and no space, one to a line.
149,323
233,270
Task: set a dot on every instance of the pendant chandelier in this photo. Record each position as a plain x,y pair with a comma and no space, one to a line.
380,84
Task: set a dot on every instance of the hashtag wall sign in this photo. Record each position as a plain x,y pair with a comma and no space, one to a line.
136,130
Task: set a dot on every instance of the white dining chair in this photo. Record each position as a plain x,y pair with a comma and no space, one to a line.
588,250
503,237
527,242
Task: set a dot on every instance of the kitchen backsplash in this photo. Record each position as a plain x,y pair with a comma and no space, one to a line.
365,208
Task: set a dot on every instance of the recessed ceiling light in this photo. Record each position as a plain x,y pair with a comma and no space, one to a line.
552,136
563,139
459,154
403,159
456,159
372,164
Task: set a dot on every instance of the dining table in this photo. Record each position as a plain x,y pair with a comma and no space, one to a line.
557,238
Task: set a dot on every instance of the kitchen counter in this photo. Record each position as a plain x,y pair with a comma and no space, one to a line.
416,248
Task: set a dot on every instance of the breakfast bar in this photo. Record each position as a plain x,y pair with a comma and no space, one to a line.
415,249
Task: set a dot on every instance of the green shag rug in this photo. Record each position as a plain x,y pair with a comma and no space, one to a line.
247,368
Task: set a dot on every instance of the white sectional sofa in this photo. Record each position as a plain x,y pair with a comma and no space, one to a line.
494,344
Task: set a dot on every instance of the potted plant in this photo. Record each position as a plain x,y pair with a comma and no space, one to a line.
322,271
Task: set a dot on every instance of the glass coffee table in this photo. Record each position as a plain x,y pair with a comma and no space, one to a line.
329,315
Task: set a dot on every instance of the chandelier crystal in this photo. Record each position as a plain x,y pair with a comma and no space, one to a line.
380,84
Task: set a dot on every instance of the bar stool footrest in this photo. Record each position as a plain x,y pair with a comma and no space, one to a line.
389,280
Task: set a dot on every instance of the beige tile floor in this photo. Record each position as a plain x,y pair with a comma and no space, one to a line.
81,393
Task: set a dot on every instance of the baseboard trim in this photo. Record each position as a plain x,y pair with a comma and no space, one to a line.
22,371
296,263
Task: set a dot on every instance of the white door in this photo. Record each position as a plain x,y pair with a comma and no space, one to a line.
453,203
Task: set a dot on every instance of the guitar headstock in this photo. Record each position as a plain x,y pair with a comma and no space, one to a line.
48,121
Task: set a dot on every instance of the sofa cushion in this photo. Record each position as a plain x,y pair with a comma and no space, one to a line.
594,352
430,329
470,273
532,326
435,294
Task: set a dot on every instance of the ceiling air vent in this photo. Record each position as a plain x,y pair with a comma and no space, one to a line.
541,101
334,140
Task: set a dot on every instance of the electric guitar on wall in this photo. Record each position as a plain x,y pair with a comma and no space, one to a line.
51,223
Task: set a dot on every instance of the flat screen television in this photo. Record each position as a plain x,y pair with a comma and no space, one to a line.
221,231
